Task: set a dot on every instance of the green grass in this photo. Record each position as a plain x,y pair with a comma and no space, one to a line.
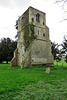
60,64
33,83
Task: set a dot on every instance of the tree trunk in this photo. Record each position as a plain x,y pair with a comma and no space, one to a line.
7,62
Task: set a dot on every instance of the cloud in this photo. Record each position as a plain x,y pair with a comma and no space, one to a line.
14,3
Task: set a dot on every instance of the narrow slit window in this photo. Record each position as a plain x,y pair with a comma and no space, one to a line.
43,23
32,19
38,32
43,34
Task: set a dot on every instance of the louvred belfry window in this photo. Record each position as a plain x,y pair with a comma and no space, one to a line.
38,17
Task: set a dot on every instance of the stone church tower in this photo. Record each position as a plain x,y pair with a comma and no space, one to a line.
33,44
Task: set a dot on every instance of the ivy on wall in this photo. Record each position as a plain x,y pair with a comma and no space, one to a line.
29,35
28,30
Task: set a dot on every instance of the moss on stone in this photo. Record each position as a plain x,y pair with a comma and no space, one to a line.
29,35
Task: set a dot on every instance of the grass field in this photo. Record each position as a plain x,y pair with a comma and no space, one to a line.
33,83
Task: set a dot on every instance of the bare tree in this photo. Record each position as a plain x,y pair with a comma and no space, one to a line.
64,1
64,7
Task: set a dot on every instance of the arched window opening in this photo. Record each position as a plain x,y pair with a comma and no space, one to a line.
38,17
32,19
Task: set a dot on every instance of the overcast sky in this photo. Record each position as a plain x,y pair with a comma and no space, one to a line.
10,10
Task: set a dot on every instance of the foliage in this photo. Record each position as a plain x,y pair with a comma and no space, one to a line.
64,45
64,48
58,53
55,50
66,58
59,56
27,29
7,47
32,83
58,59
29,35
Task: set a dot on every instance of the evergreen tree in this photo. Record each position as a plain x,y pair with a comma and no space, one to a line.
7,47
64,47
55,49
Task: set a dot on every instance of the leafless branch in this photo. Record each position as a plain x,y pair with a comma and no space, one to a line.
65,19
64,7
58,1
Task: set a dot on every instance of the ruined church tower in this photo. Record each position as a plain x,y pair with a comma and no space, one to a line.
33,43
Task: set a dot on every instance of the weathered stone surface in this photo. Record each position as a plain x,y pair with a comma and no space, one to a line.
47,70
14,60
37,51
